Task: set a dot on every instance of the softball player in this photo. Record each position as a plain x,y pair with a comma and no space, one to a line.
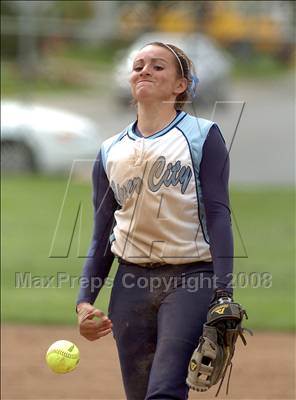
162,208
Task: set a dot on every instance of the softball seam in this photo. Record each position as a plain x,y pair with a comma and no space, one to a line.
64,354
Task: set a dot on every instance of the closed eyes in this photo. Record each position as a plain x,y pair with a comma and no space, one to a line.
155,67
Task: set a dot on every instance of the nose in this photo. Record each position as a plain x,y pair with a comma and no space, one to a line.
145,70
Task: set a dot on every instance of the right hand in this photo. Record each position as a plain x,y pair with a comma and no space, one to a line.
89,327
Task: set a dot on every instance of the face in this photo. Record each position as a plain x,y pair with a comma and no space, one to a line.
154,76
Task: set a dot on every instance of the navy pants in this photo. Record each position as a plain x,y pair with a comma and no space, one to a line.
157,316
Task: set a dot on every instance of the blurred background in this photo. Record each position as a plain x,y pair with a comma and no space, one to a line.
64,68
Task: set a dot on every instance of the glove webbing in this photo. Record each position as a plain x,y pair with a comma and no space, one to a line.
228,380
240,332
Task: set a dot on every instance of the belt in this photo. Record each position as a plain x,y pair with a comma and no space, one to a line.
153,264
144,265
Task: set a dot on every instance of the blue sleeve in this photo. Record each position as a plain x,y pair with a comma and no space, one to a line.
99,258
214,176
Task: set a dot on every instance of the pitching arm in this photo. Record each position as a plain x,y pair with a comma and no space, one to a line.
99,258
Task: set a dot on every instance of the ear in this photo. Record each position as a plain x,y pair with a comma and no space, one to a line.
180,86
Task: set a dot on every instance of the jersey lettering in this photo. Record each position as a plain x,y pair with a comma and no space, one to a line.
173,174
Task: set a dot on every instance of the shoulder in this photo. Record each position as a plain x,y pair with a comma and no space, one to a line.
192,125
110,142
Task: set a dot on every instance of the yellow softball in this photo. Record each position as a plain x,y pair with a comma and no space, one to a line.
62,356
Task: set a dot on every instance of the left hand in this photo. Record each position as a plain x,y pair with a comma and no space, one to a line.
213,356
221,296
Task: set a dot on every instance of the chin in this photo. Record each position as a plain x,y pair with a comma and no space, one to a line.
144,96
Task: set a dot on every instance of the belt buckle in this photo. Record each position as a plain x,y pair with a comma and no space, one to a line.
153,265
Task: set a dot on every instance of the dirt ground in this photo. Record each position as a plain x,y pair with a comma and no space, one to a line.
265,369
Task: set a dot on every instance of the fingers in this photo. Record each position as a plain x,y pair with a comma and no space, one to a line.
94,335
84,310
92,338
98,313
89,320
87,311
83,315
93,328
96,325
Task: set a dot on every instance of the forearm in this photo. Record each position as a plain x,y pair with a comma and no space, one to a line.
221,245
95,271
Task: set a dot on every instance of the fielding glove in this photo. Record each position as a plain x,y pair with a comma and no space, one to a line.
213,356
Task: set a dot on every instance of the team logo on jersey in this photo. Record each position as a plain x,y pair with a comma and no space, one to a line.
125,191
160,174
167,175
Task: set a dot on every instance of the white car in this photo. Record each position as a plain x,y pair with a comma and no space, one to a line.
213,66
47,140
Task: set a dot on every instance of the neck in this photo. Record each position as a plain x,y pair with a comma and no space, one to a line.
153,117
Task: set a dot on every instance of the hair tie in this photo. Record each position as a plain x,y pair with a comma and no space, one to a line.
194,79
192,89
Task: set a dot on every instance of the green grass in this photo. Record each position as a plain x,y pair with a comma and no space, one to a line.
261,66
63,71
265,220
102,56
263,224
12,83
69,69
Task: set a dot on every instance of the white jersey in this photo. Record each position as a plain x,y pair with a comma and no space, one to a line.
156,182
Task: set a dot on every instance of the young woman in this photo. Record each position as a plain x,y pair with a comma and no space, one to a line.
162,208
